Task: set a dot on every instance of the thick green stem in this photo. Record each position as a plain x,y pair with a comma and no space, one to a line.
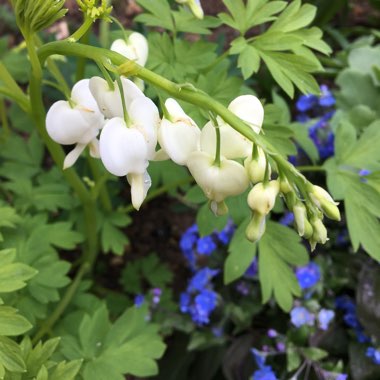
61,307
58,155
4,119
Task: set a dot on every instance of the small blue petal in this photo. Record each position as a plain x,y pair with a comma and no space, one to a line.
206,245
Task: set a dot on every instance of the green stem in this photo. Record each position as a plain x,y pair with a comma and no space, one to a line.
61,307
81,64
101,180
83,29
4,119
311,168
58,155
12,90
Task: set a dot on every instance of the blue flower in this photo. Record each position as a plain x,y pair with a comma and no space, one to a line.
251,270
351,320
364,172
345,303
341,376
306,102
201,279
206,245
308,275
287,219
184,302
139,300
301,316
242,288
325,316
373,354
189,238
204,303
226,234
264,373
326,99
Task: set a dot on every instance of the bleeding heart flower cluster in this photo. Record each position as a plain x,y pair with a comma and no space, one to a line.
122,127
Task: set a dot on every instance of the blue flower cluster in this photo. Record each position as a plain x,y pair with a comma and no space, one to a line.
199,300
193,246
312,106
350,318
264,372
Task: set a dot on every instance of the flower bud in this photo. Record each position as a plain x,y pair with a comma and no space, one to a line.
262,197
319,233
256,167
322,199
285,187
300,217
256,227
135,48
195,7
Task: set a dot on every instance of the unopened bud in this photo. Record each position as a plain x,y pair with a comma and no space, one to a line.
195,7
300,217
285,187
256,167
319,232
262,197
256,227
322,199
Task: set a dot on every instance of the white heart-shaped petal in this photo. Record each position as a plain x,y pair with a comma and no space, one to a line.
82,96
145,117
178,140
232,143
176,112
140,184
122,150
66,125
109,102
217,182
249,109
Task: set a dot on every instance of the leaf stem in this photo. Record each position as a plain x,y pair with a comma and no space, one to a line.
311,168
62,305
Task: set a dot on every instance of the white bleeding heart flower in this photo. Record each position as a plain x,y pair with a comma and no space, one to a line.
256,167
249,109
144,116
123,150
109,101
135,48
233,144
179,136
217,182
78,124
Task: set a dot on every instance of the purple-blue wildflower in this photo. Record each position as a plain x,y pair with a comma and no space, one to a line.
300,316
225,235
201,279
264,373
308,275
326,99
139,300
287,219
373,354
206,245
204,303
325,316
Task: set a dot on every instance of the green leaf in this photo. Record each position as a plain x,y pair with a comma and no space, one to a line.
314,353
10,355
112,238
13,276
288,69
66,371
241,254
278,248
301,135
159,14
186,22
129,346
208,223
12,324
